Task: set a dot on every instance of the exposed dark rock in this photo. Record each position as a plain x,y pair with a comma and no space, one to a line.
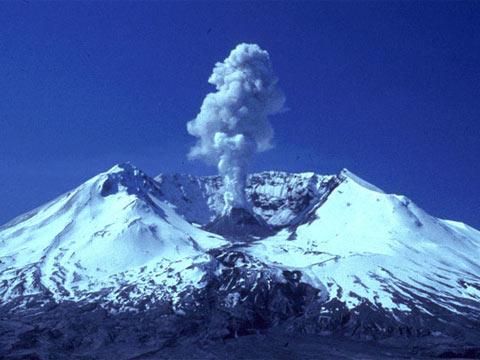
239,222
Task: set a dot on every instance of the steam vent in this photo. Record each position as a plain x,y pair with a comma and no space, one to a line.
238,222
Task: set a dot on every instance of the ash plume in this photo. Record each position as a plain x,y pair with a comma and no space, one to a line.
233,124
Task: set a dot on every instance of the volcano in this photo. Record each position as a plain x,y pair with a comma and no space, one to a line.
127,265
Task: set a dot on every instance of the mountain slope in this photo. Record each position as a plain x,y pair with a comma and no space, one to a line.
108,232
364,244
339,256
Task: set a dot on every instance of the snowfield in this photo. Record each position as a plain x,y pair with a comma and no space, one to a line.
108,234
365,244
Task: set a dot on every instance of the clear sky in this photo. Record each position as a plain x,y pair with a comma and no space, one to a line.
390,91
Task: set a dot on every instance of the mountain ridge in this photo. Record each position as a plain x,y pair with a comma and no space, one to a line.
343,257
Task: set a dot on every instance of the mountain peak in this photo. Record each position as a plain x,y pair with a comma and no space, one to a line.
128,177
347,174
123,167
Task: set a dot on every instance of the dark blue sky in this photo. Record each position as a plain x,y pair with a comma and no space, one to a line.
390,91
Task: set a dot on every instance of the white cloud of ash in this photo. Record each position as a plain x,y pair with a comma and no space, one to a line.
233,123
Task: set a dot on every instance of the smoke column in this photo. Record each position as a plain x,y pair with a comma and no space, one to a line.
233,124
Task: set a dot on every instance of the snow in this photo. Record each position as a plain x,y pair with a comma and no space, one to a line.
361,235
345,173
132,235
85,241
275,196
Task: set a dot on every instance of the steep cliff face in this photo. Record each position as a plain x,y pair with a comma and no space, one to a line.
279,198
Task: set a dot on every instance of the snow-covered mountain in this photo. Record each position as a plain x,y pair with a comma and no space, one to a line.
110,234
339,253
350,239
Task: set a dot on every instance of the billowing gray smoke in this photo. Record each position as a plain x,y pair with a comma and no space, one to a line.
233,121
